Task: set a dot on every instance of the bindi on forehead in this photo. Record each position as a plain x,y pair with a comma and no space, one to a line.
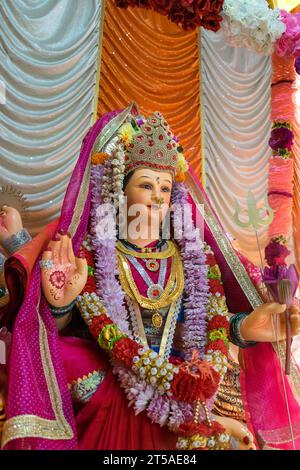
157,178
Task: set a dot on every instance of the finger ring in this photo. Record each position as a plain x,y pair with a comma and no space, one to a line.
46,264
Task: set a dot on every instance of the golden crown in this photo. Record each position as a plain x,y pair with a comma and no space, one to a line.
149,143
152,145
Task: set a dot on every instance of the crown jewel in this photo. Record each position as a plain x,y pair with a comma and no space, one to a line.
144,143
152,145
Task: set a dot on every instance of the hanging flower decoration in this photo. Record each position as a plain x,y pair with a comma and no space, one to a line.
281,164
189,14
245,23
282,139
289,43
251,24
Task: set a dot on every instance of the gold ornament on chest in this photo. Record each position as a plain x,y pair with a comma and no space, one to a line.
157,319
152,265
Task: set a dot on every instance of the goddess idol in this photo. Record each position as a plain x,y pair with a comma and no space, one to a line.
121,340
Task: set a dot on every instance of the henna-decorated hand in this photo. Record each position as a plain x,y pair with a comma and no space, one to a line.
244,439
64,280
259,324
10,222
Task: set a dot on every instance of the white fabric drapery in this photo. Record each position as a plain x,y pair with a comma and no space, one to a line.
48,63
236,106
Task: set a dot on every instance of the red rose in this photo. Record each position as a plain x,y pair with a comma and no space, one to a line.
176,13
276,253
208,7
124,351
161,6
211,22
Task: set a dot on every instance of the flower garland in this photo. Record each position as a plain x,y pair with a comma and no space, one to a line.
281,165
189,14
245,23
252,24
196,280
164,389
167,391
107,286
145,387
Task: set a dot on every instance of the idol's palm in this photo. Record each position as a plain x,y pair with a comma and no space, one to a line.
10,222
260,324
63,275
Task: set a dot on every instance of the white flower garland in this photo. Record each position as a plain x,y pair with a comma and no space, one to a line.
252,24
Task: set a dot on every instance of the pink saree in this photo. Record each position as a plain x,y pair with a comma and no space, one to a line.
40,414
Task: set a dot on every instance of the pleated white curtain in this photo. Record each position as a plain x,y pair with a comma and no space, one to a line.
48,63
236,107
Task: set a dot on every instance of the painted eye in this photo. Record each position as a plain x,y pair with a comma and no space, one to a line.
146,186
165,189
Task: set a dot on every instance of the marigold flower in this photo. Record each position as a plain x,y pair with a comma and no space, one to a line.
99,158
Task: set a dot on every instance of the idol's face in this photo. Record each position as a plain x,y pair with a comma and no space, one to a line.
148,192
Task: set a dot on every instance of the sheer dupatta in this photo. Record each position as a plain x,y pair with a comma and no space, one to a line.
265,390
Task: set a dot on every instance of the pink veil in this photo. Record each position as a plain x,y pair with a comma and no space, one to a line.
265,389
39,408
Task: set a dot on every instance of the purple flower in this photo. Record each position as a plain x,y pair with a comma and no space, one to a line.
281,138
282,281
196,284
140,122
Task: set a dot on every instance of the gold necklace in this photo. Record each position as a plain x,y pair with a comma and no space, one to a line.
172,291
166,331
167,253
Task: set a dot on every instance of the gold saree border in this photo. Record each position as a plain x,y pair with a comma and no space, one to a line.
98,72
107,132
278,436
28,426
294,377
230,256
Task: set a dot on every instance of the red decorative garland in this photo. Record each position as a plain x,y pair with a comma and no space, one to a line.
189,14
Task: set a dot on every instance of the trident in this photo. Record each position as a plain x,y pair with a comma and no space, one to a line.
257,216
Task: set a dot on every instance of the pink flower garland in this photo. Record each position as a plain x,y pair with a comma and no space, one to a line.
289,43
280,184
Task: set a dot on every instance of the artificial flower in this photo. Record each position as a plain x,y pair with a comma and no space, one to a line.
289,43
273,278
276,253
99,158
125,350
218,322
182,165
126,133
281,138
214,286
196,380
252,24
